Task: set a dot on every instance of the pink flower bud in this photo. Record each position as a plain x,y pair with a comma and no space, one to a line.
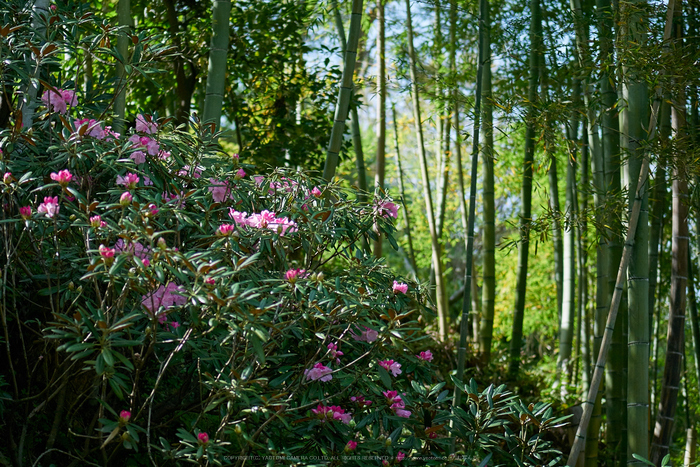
125,199
350,446
316,192
203,438
97,222
7,178
63,177
240,174
124,416
106,252
225,230
25,212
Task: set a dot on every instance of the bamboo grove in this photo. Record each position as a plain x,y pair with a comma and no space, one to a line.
544,155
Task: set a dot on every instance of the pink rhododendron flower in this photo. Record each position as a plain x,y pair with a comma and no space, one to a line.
124,416
203,438
334,352
350,446
400,456
368,335
49,207
125,199
63,177
392,366
319,371
164,296
25,212
134,248
97,222
396,404
144,142
210,281
175,324
316,192
220,190
145,124
387,209
262,220
293,274
162,317
129,180
241,218
106,252
93,128
259,179
139,157
225,230
152,209
332,412
432,435
427,356
400,287
186,170
240,173
60,100
285,184
236,157
162,155
360,400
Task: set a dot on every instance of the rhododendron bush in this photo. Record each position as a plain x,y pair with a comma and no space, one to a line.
164,301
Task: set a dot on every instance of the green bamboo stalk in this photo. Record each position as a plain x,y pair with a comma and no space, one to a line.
345,92
381,112
569,265
488,292
441,297
693,308
584,333
466,301
675,340
526,193
589,404
407,218
216,76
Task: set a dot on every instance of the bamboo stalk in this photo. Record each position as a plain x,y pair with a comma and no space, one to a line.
588,405
441,298
345,92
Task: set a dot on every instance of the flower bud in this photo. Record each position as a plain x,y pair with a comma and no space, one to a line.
125,199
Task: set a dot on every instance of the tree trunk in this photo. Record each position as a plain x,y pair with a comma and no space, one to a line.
584,329
526,193
441,298
216,76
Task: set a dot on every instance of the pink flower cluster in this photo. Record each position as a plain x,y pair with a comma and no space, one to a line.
334,352
146,124
386,209
392,366
141,144
333,412
225,230
203,438
129,180
396,404
319,371
25,212
164,296
219,190
400,287
285,184
360,400
368,335
106,252
135,249
94,129
49,207
59,100
264,220
293,274
427,356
